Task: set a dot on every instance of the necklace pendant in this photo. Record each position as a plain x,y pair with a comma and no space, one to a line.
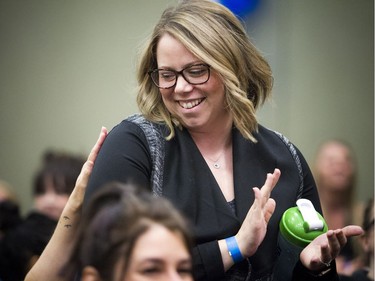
216,165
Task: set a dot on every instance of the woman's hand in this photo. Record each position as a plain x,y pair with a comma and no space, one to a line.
59,247
76,198
254,227
326,247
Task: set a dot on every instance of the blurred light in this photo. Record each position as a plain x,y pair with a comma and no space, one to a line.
240,7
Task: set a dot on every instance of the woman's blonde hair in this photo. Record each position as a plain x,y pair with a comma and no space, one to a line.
213,34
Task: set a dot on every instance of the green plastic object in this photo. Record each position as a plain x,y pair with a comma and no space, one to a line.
296,230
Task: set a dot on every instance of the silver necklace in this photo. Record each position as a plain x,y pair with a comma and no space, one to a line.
216,163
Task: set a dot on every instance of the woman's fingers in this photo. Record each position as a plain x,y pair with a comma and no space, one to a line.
325,255
269,209
95,150
254,227
352,230
334,244
326,247
87,167
268,186
78,193
262,196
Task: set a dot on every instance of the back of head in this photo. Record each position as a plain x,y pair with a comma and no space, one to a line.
115,218
215,35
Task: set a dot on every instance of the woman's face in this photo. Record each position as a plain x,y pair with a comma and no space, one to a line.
159,255
50,203
335,167
198,107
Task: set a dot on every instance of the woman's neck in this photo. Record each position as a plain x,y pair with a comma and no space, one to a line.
213,140
333,199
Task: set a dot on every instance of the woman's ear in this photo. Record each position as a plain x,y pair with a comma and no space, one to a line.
89,273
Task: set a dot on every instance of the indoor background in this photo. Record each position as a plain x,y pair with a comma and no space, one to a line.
68,67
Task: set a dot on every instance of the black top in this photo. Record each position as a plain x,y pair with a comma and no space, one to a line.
182,175
20,244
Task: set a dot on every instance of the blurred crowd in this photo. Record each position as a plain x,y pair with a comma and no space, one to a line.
23,238
335,172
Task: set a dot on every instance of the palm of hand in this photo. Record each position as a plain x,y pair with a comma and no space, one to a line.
254,227
326,247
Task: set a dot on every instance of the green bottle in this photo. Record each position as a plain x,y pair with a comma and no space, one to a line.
298,227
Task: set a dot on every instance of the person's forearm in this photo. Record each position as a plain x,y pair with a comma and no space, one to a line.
57,251
59,247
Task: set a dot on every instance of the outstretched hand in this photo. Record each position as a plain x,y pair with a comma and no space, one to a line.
254,227
326,247
59,247
78,193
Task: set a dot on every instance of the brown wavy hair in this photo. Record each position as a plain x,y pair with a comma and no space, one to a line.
115,218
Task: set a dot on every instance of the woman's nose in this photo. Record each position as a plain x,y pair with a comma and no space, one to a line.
175,276
182,85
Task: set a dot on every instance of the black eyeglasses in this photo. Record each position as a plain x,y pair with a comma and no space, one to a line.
167,78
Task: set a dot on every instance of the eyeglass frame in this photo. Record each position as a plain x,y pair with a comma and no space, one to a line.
181,72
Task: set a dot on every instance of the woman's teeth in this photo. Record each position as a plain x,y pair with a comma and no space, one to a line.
190,104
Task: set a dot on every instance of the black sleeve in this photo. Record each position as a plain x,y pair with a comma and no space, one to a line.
124,157
208,264
302,273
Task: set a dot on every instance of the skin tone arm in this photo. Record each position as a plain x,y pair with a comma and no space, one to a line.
58,249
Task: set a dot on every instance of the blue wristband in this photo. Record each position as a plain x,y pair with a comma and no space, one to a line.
233,249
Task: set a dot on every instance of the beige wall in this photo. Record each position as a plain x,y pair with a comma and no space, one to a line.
67,68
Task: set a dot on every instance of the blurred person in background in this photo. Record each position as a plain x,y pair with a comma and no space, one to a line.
55,181
366,273
6,192
23,243
9,208
335,172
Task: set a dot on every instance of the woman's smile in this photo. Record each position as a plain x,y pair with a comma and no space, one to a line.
189,104
200,106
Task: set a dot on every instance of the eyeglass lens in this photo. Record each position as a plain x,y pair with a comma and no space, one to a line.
167,78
